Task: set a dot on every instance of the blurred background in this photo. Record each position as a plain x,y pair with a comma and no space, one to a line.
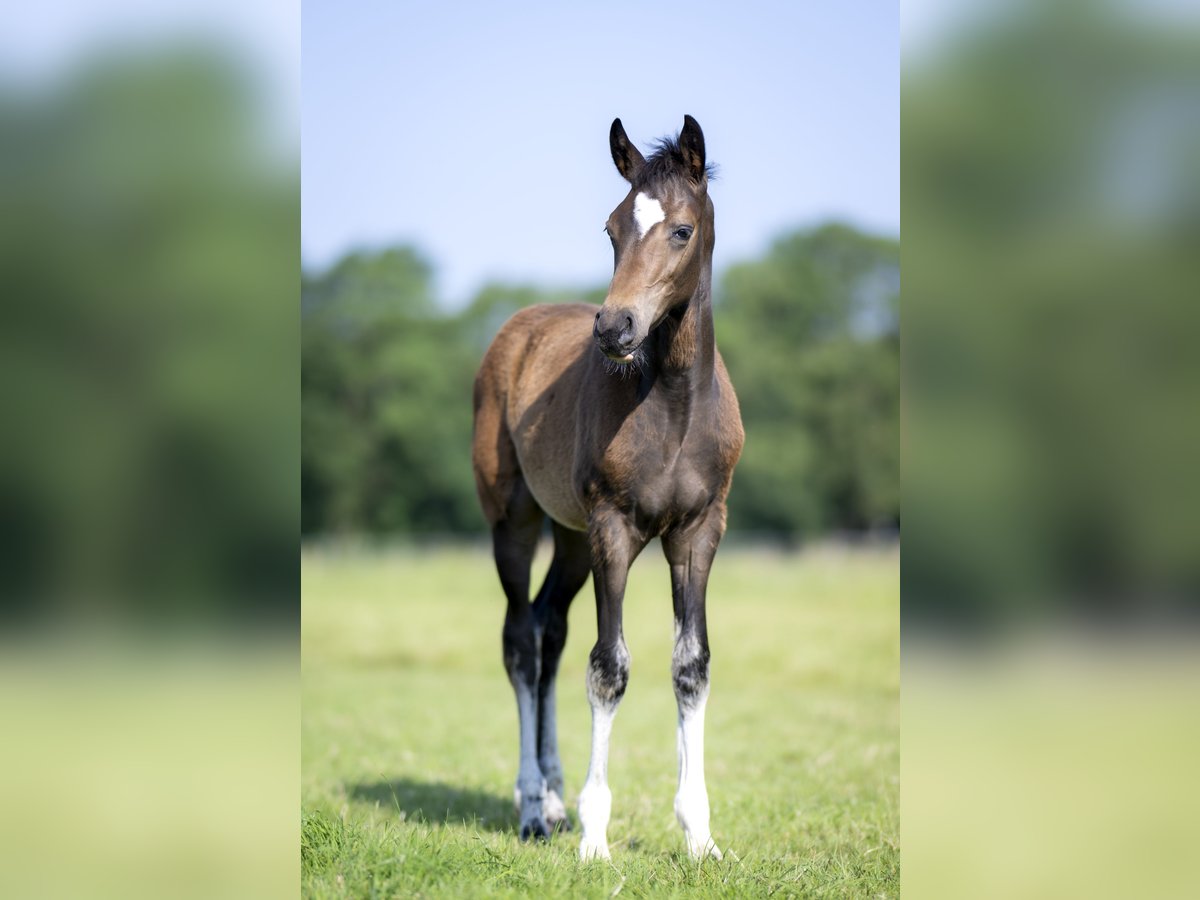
455,168
1050,431
149,182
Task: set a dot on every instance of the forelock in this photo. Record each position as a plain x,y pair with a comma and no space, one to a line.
665,165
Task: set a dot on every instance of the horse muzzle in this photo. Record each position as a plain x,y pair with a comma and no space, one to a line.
618,333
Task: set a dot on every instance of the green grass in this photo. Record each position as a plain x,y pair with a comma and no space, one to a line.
409,737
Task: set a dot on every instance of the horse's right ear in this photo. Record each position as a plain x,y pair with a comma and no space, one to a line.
628,158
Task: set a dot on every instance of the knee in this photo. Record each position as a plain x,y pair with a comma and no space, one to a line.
522,654
608,674
689,670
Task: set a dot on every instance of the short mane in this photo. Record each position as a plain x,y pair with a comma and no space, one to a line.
666,164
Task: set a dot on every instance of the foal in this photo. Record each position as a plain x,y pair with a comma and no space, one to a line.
621,425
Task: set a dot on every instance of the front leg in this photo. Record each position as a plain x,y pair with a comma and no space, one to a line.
615,545
690,552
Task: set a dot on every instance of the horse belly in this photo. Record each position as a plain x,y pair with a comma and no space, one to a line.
541,418
557,498
546,454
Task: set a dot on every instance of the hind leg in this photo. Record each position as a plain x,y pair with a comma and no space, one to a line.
514,540
568,571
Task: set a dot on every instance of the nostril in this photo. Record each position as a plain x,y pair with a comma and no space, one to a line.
628,323
597,317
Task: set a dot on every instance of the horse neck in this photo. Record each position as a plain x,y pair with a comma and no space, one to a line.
685,347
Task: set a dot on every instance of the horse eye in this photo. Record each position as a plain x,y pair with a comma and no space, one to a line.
683,232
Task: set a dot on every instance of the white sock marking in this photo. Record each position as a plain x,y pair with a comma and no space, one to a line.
595,800
691,800
553,809
647,212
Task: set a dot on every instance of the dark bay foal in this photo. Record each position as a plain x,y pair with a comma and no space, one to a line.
621,425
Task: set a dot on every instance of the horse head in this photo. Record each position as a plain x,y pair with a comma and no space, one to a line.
662,237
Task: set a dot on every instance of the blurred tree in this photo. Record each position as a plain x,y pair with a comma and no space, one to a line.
147,361
385,391
811,337
1050,174
810,333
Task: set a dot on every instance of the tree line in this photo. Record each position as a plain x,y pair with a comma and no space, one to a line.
809,333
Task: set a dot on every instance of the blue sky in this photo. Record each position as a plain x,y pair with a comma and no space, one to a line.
479,132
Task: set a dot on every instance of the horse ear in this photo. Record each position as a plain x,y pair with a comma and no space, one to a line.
691,145
628,158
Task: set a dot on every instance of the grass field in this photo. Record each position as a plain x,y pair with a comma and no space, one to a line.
409,738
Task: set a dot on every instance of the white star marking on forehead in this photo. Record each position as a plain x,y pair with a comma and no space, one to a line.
647,212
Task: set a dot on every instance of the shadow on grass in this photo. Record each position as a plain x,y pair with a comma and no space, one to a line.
438,803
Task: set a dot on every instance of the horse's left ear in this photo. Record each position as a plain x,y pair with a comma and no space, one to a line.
691,145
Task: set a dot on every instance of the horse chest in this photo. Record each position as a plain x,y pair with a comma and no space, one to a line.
661,482
678,494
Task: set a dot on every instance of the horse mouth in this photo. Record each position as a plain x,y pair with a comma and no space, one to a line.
618,355
623,359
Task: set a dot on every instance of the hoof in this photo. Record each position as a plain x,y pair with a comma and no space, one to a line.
702,850
590,850
555,813
535,830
